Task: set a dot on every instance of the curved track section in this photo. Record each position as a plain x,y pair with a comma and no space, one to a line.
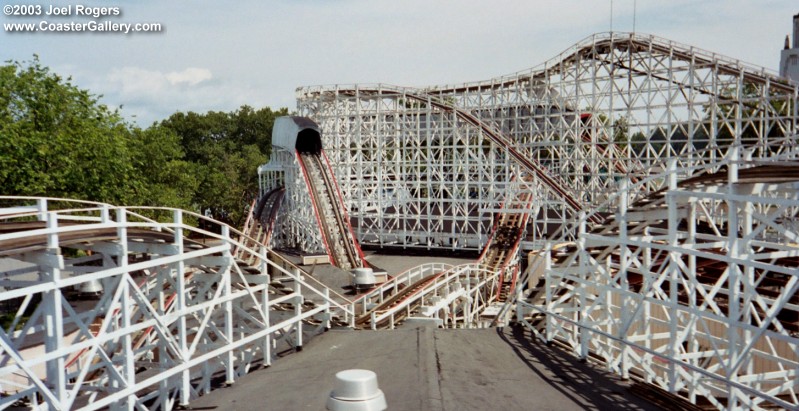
611,107
405,301
180,306
342,247
491,271
267,208
693,288
453,297
549,181
260,222
600,44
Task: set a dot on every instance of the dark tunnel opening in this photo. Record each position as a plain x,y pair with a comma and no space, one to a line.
309,141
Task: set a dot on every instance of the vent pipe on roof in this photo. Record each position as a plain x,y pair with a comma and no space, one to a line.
356,390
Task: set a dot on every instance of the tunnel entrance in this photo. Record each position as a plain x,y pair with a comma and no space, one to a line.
309,141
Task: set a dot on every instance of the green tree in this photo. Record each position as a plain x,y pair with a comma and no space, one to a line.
58,140
226,149
164,177
761,118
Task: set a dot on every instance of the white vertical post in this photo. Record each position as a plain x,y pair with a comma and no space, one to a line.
693,343
645,290
549,320
41,207
327,308
230,361
734,276
267,341
467,305
673,271
129,368
53,314
298,300
181,300
583,332
749,278
624,255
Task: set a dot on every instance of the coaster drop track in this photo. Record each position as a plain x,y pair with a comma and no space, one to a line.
337,234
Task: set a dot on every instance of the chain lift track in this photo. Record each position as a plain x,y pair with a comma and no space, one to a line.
656,182
613,106
342,247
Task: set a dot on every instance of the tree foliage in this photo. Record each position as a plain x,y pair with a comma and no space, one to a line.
227,149
165,177
758,120
58,140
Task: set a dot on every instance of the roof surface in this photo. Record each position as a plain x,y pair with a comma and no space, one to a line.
431,369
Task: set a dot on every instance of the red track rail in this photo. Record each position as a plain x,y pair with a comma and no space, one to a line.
496,255
552,182
329,190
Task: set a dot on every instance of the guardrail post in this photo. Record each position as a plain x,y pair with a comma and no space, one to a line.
582,331
673,273
624,256
230,361
105,214
41,206
181,302
327,308
298,300
467,309
647,260
352,317
548,319
267,341
129,368
53,314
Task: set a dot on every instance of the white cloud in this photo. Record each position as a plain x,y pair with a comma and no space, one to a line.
215,59
151,95
191,76
136,82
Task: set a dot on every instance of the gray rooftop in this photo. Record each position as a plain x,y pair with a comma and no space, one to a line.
431,369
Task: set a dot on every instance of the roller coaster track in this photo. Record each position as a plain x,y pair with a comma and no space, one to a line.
404,297
179,304
550,181
709,270
342,247
497,255
587,47
261,221
717,223
504,244
267,209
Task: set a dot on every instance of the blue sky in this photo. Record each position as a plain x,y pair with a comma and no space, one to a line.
217,55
